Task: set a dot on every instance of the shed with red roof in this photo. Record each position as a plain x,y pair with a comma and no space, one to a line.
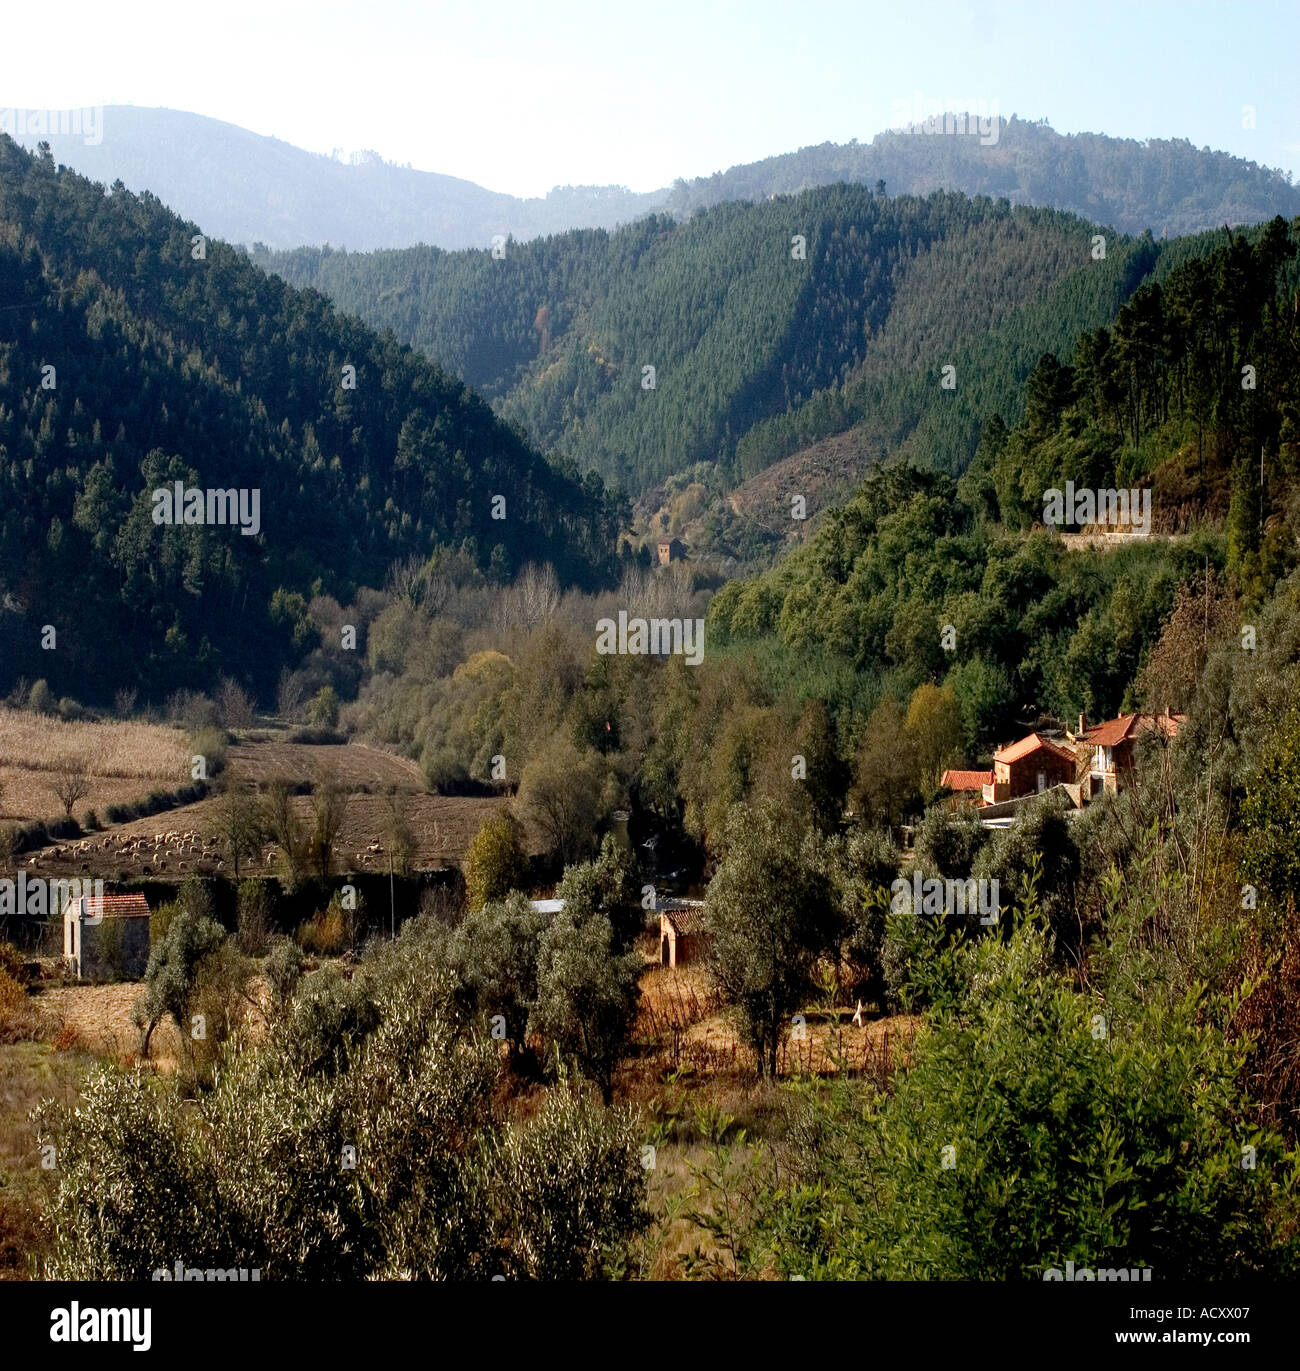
106,937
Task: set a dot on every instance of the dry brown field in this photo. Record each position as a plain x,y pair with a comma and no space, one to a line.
38,742
179,841
351,765
127,761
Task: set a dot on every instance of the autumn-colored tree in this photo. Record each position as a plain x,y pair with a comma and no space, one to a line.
495,861
934,732
1203,616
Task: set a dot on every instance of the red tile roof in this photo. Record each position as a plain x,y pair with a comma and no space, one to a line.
686,916
1115,731
117,907
1027,746
967,780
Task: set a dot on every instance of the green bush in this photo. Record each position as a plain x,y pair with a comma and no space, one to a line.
211,744
1035,1126
323,710
254,1171
283,968
41,700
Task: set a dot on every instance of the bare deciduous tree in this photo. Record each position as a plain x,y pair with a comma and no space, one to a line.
235,704
532,600
291,694
239,822
286,831
71,781
399,837
329,803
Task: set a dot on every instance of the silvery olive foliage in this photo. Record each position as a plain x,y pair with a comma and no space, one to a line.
358,1139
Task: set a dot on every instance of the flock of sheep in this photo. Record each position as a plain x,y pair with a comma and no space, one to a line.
171,851
174,850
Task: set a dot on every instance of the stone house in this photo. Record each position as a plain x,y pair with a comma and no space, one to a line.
106,936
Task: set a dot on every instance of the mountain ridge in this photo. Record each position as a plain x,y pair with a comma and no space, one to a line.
251,188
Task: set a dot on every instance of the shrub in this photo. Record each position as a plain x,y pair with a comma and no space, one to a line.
155,803
323,710
249,1173
13,1003
219,1000
947,842
444,770
211,745
331,930
11,963
1039,849
495,861
494,955
321,737
160,920
253,915
283,969
1124,1145
90,821
192,711
41,699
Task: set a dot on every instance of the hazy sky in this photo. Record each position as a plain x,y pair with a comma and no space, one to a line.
521,95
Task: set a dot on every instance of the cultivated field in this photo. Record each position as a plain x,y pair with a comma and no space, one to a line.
126,761
682,1020
179,841
185,840
351,765
37,742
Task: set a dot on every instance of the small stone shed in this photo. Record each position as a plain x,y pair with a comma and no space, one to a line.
106,936
682,934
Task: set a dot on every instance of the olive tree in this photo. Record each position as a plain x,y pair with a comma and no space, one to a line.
586,994
297,1164
771,913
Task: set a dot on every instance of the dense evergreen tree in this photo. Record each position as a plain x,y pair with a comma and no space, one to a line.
134,355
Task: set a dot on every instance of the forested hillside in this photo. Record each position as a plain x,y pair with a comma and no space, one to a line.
133,355
768,325
1194,393
839,652
248,189
1163,184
